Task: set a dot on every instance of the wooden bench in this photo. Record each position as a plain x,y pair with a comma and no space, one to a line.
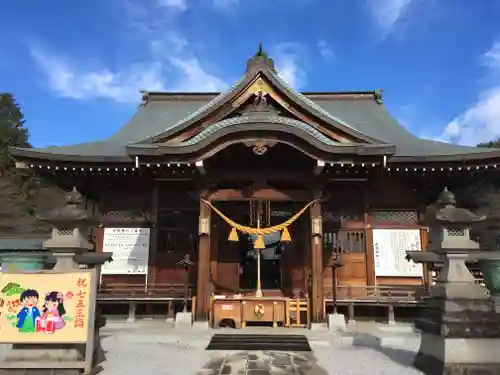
380,295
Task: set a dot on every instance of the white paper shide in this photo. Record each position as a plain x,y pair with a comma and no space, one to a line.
130,248
389,250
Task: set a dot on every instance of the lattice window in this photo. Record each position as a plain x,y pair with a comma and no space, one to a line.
456,232
397,217
65,231
339,216
178,219
281,213
179,243
127,216
344,241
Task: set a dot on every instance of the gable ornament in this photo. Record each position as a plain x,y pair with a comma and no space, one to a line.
260,146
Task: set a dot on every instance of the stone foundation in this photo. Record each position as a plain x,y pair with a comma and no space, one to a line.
430,365
459,336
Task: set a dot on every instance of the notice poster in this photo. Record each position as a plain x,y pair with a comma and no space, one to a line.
45,308
130,248
389,249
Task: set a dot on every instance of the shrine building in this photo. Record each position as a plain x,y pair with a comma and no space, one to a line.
265,191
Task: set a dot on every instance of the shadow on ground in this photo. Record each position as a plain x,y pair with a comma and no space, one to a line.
401,356
99,356
263,363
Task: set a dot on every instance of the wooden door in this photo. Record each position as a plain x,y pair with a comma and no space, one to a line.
350,244
354,270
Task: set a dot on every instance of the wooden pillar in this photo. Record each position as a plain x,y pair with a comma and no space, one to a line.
371,278
202,281
317,297
153,240
214,251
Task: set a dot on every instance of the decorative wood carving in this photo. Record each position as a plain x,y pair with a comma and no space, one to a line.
260,106
259,146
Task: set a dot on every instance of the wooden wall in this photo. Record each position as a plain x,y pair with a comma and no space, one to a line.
349,216
348,212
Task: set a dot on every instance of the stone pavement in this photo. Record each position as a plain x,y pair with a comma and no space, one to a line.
262,363
151,348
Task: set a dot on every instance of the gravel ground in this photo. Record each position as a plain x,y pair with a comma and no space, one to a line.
151,349
153,353
136,354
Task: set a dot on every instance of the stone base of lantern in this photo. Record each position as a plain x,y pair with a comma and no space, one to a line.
459,336
457,357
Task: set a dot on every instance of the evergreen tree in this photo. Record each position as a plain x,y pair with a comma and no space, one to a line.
12,130
490,144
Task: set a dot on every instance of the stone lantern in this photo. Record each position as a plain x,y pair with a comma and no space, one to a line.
460,328
71,248
69,242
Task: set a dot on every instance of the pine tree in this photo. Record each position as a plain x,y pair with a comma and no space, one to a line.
12,130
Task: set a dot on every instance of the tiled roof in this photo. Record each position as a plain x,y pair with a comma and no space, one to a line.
364,115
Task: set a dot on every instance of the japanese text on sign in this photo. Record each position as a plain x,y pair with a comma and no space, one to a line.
79,321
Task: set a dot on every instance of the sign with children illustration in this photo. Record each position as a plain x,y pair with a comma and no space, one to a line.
44,308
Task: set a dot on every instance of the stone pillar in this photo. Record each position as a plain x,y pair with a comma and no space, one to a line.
460,328
317,297
391,319
132,307
202,281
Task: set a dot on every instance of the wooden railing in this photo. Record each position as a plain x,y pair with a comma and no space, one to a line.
294,309
345,240
377,294
142,291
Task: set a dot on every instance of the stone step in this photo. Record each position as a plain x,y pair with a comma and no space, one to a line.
247,342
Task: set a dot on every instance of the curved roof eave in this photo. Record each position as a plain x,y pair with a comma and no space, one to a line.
467,157
233,130
26,153
225,97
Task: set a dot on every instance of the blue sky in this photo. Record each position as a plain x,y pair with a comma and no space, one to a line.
76,67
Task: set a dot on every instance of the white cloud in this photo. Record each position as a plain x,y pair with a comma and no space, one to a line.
168,64
194,78
481,121
387,13
174,4
70,81
491,59
325,51
286,57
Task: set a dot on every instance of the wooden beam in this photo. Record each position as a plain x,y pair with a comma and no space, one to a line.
371,278
259,174
202,282
318,168
265,194
317,269
153,241
200,167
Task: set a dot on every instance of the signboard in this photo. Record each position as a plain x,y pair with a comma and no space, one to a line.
46,308
389,249
130,248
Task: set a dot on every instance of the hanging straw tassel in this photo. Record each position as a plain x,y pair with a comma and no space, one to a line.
285,236
233,236
259,243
